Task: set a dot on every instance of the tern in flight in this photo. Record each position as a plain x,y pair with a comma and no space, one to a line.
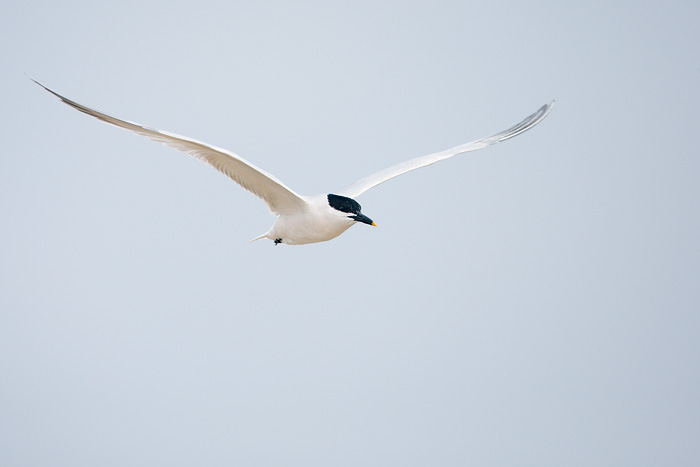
302,219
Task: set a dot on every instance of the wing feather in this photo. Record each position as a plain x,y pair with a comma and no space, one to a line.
279,198
382,176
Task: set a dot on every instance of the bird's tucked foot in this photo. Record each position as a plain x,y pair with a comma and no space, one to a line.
277,241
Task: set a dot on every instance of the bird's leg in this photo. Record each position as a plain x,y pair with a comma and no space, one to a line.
278,240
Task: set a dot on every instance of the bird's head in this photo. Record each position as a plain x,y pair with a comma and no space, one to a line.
349,208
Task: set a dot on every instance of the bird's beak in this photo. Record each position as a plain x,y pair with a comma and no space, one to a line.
364,219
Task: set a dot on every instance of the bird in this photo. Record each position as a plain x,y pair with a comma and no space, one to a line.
301,219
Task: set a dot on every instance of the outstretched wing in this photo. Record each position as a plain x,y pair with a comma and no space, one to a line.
279,198
375,179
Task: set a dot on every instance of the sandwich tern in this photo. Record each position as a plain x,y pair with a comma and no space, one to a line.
301,219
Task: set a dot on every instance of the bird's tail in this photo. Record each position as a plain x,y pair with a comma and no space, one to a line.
259,238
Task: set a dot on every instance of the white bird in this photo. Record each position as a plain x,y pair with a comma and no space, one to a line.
302,219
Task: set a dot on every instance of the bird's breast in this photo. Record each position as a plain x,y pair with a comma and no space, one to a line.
309,227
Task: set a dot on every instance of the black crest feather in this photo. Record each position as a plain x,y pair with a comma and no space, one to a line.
344,204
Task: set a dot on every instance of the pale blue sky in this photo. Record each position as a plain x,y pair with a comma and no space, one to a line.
532,304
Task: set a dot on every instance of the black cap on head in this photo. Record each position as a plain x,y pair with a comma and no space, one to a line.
344,204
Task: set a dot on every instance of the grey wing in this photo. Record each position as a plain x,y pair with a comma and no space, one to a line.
382,176
279,198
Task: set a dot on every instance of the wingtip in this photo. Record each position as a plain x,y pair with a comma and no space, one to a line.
37,82
545,109
45,88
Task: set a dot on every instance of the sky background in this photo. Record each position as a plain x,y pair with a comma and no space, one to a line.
535,303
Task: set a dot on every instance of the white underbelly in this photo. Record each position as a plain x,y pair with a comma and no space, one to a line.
302,229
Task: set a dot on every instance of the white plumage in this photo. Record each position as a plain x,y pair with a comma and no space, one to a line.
302,219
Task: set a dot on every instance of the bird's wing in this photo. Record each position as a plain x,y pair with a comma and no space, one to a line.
279,198
382,176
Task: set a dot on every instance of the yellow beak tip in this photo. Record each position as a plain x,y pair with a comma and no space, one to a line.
374,224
